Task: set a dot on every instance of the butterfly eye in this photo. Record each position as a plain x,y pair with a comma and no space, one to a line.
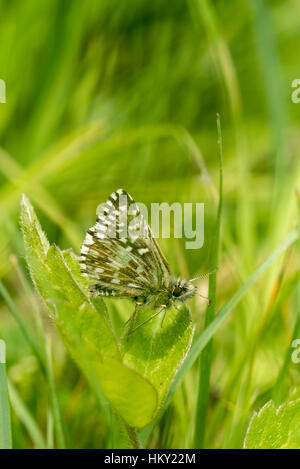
177,291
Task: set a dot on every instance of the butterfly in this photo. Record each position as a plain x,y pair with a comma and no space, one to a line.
122,259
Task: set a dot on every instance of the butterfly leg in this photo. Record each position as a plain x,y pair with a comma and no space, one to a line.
132,319
149,319
163,318
205,298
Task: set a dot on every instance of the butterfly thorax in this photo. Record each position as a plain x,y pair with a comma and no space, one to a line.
177,290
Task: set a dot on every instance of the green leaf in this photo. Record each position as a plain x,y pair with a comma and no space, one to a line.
64,285
84,326
131,395
71,261
125,389
36,247
273,428
34,237
157,352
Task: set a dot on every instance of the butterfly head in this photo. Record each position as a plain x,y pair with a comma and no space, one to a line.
181,290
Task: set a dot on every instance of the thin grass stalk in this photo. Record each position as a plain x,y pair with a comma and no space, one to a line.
5,426
206,356
277,393
25,417
58,425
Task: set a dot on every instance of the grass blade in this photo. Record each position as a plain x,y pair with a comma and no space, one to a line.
50,430
57,418
5,429
25,417
206,356
277,392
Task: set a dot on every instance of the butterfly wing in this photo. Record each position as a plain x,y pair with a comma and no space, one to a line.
120,254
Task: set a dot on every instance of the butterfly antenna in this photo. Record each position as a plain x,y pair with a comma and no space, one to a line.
204,275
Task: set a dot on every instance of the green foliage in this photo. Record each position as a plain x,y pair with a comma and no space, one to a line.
134,380
273,428
156,352
124,94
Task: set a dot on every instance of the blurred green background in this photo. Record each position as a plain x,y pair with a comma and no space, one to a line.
107,94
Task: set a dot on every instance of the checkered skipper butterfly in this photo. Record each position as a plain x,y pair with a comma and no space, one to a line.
122,259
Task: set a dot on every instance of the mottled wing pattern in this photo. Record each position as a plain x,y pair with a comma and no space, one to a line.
120,255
